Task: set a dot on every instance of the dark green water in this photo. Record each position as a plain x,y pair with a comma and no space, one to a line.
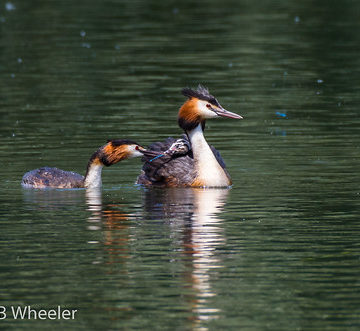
278,251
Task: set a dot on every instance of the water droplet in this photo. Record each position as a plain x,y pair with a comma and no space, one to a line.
297,19
93,227
82,33
86,45
319,81
12,75
19,60
117,47
9,6
230,65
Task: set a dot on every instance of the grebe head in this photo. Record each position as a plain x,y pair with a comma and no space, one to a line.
113,152
117,150
179,147
201,105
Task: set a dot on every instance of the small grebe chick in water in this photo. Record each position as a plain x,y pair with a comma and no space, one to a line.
114,151
189,161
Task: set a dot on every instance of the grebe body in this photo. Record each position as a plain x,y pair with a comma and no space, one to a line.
171,164
186,162
114,151
198,166
52,177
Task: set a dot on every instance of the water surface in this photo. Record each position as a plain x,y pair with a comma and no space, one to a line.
277,251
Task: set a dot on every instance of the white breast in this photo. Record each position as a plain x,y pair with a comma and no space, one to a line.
210,173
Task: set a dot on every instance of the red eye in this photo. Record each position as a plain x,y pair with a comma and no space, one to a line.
208,105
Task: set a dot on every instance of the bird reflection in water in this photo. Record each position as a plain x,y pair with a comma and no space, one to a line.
196,231
192,216
196,211
114,223
52,199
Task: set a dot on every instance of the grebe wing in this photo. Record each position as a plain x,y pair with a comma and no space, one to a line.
52,177
220,160
165,167
218,156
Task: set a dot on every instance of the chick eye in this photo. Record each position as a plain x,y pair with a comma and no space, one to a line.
208,106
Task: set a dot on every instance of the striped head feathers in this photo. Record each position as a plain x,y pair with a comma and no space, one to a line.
201,105
115,151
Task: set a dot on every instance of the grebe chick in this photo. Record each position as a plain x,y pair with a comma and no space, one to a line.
107,155
180,147
200,166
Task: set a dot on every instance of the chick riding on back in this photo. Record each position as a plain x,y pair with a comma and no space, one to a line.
200,166
185,162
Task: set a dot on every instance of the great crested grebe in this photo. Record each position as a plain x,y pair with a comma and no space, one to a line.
107,155
189,161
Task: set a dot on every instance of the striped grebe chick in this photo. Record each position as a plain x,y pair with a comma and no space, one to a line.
193,163
179,147
114,151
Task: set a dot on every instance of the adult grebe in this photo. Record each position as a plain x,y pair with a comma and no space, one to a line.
173,163
107,155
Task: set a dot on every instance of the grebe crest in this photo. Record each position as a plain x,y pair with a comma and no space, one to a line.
201,105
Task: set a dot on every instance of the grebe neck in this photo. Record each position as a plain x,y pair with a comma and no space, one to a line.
209,171
93,173
113,152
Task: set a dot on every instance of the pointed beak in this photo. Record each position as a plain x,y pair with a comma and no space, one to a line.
150,154
225,113
153,155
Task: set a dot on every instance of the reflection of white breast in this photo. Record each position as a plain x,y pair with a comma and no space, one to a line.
210,173
208,203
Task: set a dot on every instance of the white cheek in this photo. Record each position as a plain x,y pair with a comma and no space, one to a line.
133,151
205,112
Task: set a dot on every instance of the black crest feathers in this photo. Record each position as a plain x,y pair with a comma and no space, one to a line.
201,93
119,142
